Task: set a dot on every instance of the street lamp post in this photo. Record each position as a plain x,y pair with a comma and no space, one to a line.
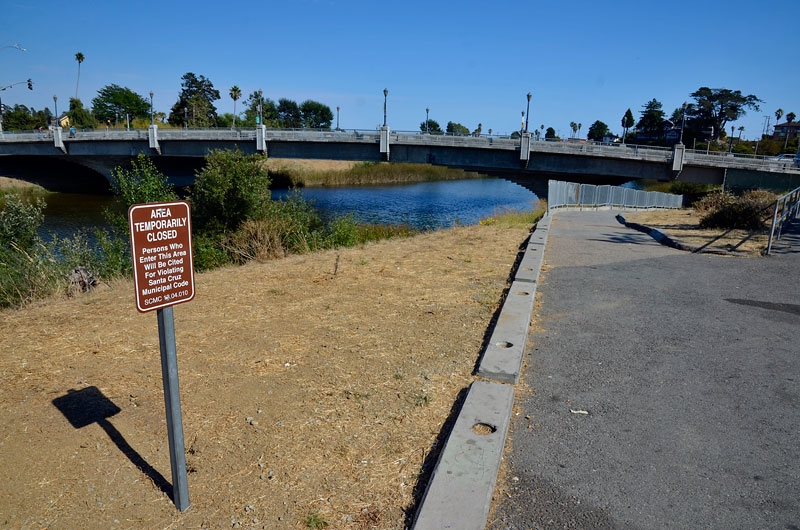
337,117
730,149
522,126
185,117
528,112
152,116
385,94
683,122
427,120
55,104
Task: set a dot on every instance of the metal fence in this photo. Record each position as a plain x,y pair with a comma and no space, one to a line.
570,194
787,209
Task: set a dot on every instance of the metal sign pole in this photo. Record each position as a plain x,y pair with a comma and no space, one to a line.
172,401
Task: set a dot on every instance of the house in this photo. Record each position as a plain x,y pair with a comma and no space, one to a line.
63,120
790,129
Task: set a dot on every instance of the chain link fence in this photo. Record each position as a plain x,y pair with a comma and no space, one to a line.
570,194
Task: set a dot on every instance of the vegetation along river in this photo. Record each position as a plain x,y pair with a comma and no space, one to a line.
422,205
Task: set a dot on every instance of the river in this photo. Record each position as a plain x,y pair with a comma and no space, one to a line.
423,205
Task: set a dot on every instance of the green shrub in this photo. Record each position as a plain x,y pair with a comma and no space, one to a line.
343,232
208,252
28,274
19,220
141,183
750,211
231,188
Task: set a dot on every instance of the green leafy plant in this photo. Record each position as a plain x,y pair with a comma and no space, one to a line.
314,521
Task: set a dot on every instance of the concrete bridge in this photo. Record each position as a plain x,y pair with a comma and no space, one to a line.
179,152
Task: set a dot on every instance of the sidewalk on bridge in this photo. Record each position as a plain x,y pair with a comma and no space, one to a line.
662,388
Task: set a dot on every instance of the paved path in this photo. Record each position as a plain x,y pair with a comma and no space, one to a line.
689,368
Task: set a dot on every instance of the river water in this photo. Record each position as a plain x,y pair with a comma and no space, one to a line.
422,205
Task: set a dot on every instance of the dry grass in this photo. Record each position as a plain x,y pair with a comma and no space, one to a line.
346,362
684,226
7,183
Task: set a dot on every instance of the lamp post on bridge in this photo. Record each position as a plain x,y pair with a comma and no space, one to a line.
683,122
385,94
55,104
730,149
427,120
152,116
185,117
337,117
528,112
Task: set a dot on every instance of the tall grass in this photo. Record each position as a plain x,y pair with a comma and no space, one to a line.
515,218
367,173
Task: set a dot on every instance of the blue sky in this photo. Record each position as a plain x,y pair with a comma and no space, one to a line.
468,61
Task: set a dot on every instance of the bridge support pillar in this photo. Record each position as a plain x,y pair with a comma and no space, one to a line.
58,140
152,138
524,149
385,143
677,159
261,139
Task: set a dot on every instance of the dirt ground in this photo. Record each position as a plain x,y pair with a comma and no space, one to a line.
684,226
314,388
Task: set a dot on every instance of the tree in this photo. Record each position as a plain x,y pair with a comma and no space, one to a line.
579,129
80,117
791,116
432,127
196,101
778,114
597,131
715,107
269,111
114,100
652,119
477,132
231,188
78,57
627,123
550,133
456,129
315,115
236,93
574,127
289,115
21,118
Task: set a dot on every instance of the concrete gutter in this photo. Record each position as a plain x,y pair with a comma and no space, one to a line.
459,493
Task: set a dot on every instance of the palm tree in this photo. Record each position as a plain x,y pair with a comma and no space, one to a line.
579,129
791,116
778,114
574,127
78,57
236,93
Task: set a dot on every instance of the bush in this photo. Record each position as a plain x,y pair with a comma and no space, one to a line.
750,211
142,183
28,274
343,232
231,188
19,220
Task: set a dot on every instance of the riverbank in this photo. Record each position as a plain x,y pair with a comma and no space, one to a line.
312,386
309,173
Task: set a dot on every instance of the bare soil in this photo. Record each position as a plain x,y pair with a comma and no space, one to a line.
684,226
314,388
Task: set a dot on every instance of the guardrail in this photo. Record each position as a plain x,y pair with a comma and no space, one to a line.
787,209
570,194
505,142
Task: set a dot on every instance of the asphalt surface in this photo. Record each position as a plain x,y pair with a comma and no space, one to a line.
689,368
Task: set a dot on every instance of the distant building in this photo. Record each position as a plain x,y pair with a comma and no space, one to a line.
792,129
669,131
63,120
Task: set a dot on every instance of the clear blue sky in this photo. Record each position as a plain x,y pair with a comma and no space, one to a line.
468,61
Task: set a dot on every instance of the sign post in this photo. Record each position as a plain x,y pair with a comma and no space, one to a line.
163,275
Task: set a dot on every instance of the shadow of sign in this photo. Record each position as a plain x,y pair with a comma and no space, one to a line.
88,405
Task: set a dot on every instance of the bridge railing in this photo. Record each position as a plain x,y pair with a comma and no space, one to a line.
752,161
571,194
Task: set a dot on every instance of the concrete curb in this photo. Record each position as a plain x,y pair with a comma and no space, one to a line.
502,358
459,494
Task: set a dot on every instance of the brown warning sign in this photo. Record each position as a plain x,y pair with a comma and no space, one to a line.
161,247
